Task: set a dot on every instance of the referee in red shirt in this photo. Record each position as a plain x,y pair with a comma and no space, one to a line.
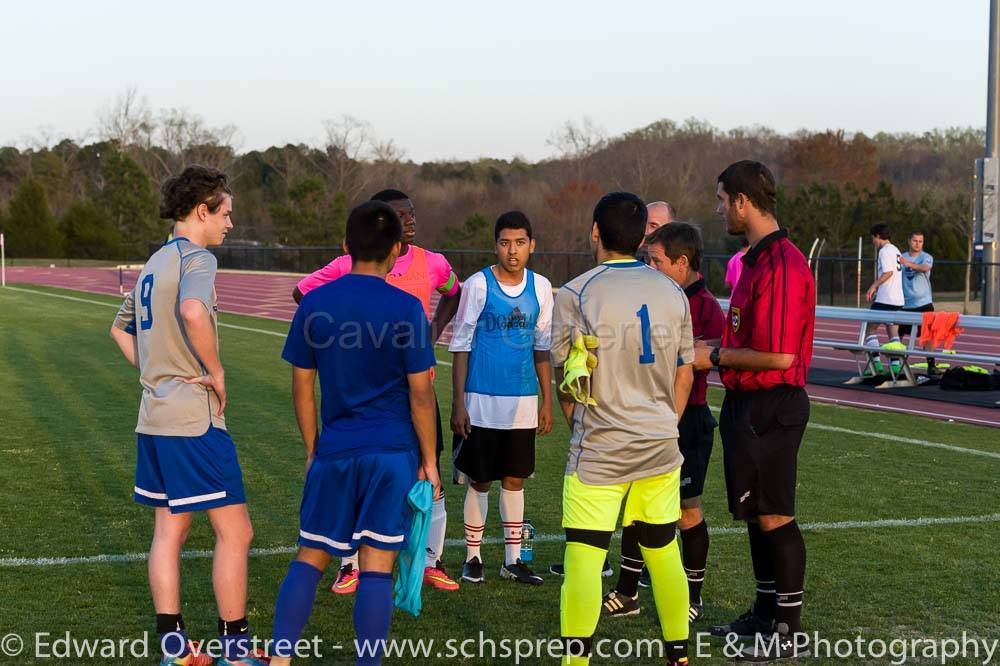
763,362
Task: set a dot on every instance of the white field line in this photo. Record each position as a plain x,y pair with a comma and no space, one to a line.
817,426
22,562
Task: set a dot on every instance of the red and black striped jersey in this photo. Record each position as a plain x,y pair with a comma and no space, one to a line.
773,309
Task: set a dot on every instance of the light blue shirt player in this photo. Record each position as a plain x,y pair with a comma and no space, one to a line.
502,359
917,284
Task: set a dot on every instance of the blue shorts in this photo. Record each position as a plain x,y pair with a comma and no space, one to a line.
188,473
358,500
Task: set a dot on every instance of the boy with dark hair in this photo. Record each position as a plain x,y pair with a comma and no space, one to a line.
501,358
623,448
369,343
418,272
187,461
675,250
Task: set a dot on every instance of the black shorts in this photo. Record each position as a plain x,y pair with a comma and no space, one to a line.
761,433
490,455
697,431
885,306
905,329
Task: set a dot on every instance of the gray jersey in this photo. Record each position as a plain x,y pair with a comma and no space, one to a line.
178,271
643,321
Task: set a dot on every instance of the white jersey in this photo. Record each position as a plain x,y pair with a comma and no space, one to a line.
494,411
889,292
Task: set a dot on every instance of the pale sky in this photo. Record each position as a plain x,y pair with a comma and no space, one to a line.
447,79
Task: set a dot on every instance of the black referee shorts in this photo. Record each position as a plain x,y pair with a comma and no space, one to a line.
697,432
761,433
488,454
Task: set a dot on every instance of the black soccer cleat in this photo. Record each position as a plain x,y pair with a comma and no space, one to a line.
559,570
472,571
520,573
617,604
695,612
748,625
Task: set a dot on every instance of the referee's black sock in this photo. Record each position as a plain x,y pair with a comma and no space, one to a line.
763,571
631,566
789,551
694,552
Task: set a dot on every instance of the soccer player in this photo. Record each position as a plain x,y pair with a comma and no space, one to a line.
369,342
675,250
186,460
917,295
763,362
501,357
886,292
624,448
418,272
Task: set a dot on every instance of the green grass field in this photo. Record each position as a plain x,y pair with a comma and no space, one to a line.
68,405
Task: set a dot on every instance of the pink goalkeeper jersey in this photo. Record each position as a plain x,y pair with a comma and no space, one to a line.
442,278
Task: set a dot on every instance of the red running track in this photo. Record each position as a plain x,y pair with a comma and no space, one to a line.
269,295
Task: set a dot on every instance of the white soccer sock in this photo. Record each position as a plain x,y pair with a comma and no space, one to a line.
476,506
352,560
435,532
512,516
871,341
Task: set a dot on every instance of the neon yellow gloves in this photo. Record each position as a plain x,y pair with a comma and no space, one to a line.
580,362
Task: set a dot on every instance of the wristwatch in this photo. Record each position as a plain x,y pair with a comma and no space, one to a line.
714,357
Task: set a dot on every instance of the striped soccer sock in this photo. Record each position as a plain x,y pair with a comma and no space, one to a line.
476,507
631,566
512,517
789,552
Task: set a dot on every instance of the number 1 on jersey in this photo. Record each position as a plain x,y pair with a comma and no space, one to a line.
647,356
146,301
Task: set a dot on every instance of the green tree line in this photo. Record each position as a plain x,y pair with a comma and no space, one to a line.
100,199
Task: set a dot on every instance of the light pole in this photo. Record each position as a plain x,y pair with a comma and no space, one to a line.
988,176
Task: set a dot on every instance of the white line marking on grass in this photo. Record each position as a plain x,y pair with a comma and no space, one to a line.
895,438
22,562
112,305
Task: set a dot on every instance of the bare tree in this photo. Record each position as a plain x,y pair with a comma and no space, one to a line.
127,120
348,142
578,141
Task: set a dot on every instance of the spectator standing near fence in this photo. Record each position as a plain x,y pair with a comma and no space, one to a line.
917,294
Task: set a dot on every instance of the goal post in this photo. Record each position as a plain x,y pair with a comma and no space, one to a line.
122,269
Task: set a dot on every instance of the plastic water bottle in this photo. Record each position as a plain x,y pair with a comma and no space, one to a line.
527,541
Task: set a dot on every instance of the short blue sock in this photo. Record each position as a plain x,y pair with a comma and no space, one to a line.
372,616
294,606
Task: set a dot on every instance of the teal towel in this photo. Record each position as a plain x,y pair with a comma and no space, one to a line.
411,560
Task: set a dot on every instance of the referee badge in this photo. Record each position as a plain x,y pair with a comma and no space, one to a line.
734,316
